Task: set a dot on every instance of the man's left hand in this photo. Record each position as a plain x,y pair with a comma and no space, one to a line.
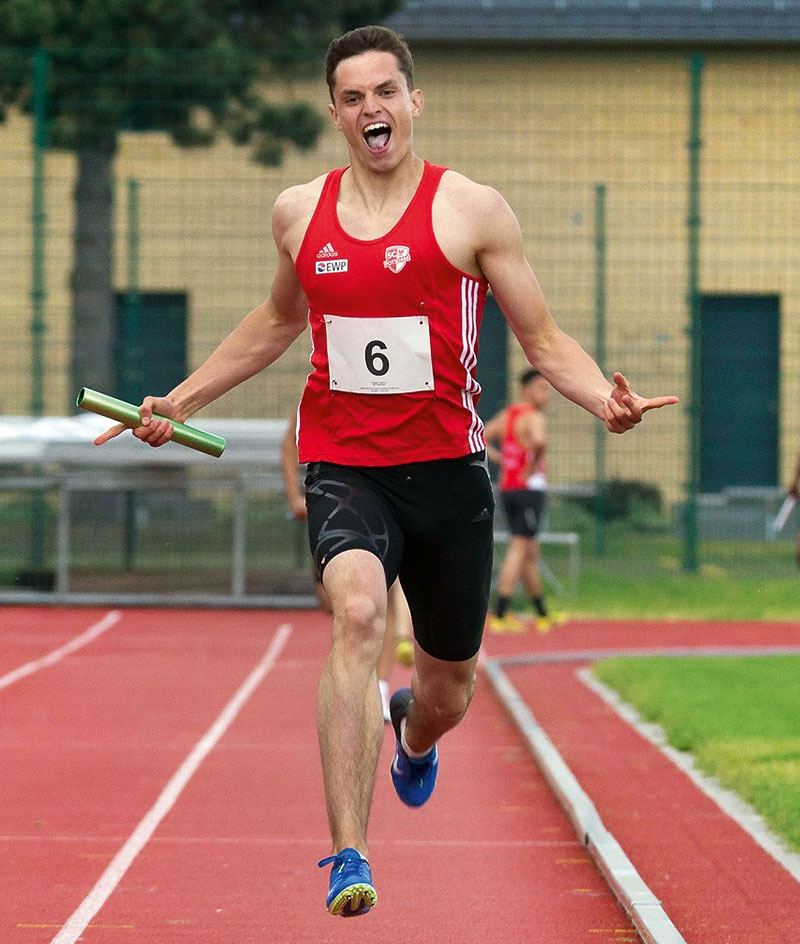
624,408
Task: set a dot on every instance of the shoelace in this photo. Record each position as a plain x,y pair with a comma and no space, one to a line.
347,863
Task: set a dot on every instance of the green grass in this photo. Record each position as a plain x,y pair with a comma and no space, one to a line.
739,718
603,592
641,575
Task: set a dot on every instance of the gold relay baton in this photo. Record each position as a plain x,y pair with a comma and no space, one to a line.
127,413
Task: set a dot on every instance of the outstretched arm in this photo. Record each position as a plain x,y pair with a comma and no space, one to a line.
559,357
258,340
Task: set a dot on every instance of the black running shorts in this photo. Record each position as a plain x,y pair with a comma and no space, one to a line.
430,523
523,508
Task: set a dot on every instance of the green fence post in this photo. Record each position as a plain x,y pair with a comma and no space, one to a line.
695,145
132,352
600,432
40,67
38,219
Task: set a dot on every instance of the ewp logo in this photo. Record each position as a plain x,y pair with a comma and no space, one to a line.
328,266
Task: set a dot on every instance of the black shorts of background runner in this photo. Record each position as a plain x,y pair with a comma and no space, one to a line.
524,508
430,523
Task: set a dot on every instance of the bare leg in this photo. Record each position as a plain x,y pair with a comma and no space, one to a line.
400,618
398,626
397,618
513,563
322,597
531,578
442,692
349,718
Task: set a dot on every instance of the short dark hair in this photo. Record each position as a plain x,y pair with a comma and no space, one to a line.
531,373
368,39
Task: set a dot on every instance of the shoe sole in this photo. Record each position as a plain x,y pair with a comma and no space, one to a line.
354,900
507,630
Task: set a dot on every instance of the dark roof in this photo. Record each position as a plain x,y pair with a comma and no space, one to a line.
601,21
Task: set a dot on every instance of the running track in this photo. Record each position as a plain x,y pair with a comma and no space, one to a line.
160,783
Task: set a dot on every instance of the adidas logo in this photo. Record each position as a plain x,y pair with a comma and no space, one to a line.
327,252
482,516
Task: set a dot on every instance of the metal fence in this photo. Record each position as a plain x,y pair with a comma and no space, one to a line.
659,196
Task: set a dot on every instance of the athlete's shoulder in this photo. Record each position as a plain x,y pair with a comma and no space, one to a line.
470,197
293,210
479,214
298,201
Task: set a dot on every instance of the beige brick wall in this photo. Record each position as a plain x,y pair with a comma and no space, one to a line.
545,127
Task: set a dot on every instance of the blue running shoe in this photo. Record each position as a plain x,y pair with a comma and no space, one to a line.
413,778
351,891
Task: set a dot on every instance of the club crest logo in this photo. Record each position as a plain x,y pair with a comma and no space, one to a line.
396,258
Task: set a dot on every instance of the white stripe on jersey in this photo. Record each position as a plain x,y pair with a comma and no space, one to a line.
469,359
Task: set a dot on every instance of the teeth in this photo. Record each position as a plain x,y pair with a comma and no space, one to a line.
376,126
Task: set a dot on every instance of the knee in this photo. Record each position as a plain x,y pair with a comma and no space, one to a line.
360,618
447,701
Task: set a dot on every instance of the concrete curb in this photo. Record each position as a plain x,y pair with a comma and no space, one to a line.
644,909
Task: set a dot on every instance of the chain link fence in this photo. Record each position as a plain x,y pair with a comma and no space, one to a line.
659,198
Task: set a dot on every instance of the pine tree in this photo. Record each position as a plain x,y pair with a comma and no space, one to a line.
187,67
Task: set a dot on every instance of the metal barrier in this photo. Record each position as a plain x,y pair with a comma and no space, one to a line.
56,455
568,539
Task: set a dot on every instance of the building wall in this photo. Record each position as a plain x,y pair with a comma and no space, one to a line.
544,127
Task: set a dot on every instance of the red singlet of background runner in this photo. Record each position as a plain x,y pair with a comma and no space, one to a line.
516,459
404,273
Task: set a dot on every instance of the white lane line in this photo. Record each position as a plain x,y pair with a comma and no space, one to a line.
76,924
729,802
309,841
109,620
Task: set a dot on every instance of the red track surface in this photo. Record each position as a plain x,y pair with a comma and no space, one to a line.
716,884
88,745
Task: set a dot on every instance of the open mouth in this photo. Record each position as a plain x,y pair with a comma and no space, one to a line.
377,136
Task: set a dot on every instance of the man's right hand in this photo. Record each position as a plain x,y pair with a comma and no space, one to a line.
155,432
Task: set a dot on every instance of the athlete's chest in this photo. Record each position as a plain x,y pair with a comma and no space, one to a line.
395,252
392,274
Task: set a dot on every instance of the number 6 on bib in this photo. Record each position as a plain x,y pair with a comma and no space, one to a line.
379,355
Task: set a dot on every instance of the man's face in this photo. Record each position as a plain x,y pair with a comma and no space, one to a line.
537,392
374,109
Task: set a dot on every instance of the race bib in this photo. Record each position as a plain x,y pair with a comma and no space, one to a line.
379,355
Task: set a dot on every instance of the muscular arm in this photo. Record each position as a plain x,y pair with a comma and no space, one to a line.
488,223
259,339
560,359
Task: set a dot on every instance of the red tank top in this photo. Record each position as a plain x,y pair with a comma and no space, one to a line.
394,330
515,465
